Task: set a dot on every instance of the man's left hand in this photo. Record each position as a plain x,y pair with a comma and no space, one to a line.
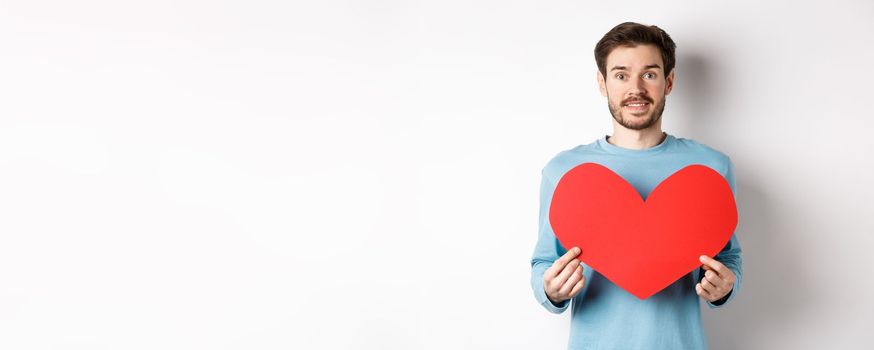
717,282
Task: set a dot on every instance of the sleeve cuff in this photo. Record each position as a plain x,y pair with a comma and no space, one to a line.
553,308
721,302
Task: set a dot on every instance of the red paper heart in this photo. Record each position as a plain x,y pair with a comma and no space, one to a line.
643,246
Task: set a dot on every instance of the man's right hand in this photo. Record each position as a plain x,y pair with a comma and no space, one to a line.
564,279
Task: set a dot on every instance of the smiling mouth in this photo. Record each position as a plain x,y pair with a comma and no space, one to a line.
636,106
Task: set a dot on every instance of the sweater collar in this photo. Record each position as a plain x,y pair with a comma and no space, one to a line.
610,148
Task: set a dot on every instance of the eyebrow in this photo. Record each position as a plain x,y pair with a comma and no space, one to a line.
644,67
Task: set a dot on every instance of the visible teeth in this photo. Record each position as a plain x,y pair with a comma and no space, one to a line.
636,104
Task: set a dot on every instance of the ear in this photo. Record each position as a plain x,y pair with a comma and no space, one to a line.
669,82
602,85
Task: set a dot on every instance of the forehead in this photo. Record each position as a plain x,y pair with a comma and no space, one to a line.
635,57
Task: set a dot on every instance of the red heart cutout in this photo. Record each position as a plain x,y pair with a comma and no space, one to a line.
643,246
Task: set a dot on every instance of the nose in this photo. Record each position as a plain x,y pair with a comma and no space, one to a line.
637,85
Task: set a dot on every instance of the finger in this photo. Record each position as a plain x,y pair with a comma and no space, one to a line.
567,257
710,287
561,262
575,277
578,287
566,273
556,283
702,292
713,263
714,278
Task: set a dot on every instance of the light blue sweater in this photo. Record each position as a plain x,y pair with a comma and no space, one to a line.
605,316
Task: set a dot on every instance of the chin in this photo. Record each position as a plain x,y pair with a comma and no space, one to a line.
638,122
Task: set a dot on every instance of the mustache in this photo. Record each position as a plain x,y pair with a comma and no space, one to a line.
637,99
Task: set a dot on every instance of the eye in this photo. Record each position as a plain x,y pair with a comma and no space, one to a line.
649,75
620,76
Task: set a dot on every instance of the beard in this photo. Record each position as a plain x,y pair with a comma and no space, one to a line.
630,122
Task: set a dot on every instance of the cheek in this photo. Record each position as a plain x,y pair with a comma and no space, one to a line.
657,88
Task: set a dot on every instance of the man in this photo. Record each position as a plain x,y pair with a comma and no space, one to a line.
635,73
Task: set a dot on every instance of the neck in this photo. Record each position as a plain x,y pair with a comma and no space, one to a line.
636,139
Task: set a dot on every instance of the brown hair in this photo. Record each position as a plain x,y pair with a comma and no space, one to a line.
633,34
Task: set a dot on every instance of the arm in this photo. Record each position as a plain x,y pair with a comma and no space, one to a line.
730,255
562,276
730,260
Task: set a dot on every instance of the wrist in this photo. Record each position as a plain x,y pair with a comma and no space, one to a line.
555,303
722,300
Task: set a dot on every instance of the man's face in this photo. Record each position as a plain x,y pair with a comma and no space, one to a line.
635,86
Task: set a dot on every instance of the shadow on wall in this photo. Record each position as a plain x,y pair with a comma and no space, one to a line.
773,291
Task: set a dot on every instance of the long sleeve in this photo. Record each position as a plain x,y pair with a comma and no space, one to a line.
730,255
546,251
603,312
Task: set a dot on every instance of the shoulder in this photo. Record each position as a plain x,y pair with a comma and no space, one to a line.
705,154
566,159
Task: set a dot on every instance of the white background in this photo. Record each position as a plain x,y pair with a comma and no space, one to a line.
365,174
